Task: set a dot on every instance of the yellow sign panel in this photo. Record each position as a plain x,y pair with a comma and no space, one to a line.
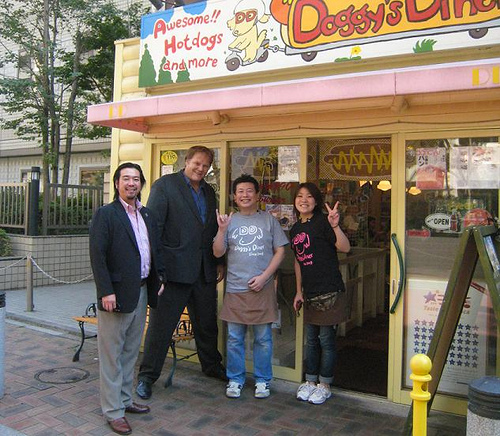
312,23
356,159
169,157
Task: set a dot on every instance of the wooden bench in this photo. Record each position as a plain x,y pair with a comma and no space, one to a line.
90,317
183,332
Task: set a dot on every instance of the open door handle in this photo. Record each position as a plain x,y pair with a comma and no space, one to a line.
402,276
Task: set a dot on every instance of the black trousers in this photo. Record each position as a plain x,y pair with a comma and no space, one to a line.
201,301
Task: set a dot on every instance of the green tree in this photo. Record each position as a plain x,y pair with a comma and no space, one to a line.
164,76
5,246
58,55
147,73
183,76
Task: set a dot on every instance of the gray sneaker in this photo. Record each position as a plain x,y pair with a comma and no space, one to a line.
262,390
233,390
320,394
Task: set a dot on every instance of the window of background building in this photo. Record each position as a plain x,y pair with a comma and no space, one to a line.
25,175
93,176
23,65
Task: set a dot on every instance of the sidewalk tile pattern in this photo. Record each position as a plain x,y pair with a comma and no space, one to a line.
194,406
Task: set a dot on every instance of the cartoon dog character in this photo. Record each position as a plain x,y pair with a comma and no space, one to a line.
244,27
247,235
301,243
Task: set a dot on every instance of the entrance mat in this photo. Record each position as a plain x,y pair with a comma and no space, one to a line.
362,370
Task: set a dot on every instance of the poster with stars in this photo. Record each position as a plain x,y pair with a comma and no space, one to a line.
466,359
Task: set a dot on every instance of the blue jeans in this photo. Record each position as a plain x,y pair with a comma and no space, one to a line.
262,352
321,352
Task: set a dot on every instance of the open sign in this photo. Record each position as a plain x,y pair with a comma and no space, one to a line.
438,221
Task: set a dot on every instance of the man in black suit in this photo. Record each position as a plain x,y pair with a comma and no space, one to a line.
185,206
128,275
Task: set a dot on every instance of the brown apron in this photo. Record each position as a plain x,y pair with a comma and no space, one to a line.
340,312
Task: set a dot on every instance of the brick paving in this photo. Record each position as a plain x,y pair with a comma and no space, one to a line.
195,405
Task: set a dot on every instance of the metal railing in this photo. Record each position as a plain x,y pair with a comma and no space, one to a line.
70,207
66,208
14,205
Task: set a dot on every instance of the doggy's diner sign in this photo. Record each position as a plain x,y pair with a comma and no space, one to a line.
217,38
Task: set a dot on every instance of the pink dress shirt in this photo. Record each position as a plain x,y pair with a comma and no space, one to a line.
141,235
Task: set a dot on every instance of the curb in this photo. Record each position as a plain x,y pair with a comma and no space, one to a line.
50,325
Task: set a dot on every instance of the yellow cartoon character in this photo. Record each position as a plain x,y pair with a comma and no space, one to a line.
244,27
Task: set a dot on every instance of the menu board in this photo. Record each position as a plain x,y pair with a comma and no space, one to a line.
492,256
458,345
487,248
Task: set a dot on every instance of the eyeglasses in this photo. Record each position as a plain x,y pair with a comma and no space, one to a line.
245,16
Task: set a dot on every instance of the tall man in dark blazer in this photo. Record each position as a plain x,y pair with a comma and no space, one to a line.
128,275
185,206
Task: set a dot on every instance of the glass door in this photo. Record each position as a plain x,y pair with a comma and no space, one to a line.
277,167
451,183
356,172
171,159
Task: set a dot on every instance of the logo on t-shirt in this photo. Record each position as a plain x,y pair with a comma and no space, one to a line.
301,244
247,240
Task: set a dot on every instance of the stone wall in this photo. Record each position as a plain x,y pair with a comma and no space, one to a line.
62,259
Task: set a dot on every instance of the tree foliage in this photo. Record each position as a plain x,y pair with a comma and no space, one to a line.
5,245
57,57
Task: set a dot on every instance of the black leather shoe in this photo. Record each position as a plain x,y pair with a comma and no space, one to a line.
144,389
137,408
217,372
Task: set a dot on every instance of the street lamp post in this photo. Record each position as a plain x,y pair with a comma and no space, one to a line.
34,193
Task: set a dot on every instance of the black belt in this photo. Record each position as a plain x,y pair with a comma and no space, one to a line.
144,281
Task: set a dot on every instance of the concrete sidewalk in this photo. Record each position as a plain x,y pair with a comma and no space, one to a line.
46,394
54,306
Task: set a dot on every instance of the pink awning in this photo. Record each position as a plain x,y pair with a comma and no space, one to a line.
136,114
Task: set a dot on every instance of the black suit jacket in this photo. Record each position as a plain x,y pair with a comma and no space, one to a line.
115,256
186,241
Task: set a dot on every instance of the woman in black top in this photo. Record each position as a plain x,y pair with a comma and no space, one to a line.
315,240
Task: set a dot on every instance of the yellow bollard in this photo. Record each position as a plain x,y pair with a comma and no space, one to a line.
420,366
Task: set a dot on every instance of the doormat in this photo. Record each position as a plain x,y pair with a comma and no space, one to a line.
362,370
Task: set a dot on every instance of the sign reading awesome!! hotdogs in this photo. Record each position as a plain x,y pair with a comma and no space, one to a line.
216,38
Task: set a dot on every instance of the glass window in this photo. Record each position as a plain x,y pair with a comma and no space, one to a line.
451,184
93,176
25,175
172,161
356,172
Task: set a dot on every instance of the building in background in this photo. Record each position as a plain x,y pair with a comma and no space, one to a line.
90,158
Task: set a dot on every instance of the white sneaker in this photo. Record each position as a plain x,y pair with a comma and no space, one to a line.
233,390
262,390
320,394
305,390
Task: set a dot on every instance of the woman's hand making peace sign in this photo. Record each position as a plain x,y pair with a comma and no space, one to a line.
333,214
